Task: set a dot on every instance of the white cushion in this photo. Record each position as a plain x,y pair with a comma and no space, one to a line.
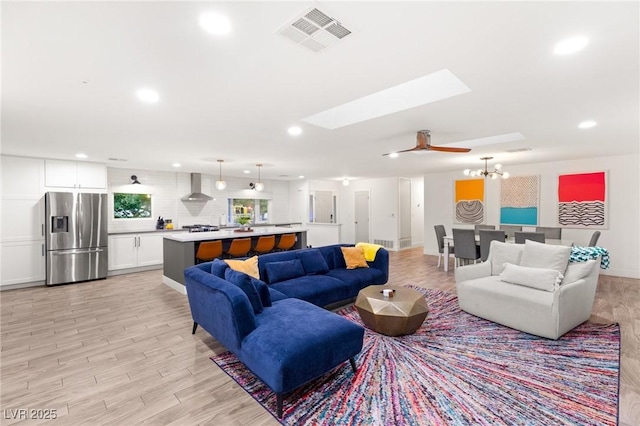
502,253
540,278
540,255
578,270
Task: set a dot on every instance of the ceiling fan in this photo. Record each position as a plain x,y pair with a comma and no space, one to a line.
423,143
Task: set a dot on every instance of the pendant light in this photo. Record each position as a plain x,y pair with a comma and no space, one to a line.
259,185
220,184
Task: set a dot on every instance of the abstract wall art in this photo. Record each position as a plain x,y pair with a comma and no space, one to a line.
582,200
519,200
469,201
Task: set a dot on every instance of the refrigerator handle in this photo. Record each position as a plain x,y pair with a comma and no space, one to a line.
42,226
42,249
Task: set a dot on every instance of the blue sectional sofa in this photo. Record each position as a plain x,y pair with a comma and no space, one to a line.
278,330
320,275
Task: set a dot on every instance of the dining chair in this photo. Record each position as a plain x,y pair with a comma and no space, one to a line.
477,228
510,230
464,240
287,241
239,247
440,234
550,233
265,244
594,239
486,236
208,250
533,236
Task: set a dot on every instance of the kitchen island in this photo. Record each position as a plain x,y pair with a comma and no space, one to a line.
179,249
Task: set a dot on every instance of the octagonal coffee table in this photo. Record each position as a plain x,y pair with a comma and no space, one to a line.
401,314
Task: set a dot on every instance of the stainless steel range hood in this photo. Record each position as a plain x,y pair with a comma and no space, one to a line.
196,189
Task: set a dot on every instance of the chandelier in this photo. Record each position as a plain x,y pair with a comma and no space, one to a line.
493,174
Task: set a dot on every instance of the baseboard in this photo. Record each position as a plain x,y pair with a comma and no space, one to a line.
22,285
180,288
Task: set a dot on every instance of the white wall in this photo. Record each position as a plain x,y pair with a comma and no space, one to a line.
169,187
622,238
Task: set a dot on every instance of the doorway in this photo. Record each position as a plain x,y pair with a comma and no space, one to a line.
362,216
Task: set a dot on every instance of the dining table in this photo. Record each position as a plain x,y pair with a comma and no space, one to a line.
448,241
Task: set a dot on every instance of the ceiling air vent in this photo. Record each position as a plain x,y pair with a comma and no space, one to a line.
519,149
314,30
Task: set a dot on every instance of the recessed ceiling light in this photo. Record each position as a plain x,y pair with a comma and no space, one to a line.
294,130
587,124
148,95
215,23
81,155
176,165
570,45
246,171
301,177
394,155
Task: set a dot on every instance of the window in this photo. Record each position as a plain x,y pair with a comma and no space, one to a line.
131,206
257,211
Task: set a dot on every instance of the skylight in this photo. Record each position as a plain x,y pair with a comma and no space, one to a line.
430,88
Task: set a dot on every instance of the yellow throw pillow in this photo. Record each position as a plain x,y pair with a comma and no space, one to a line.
354,257
249,266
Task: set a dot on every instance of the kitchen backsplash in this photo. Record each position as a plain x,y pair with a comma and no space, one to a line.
167,189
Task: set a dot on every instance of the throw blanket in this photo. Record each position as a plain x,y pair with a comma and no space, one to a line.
369,250
582,254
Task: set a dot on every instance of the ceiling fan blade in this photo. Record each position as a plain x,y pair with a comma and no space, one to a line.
448,149
407,150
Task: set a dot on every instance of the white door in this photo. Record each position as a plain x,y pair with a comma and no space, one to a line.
149,249
123,251
362,216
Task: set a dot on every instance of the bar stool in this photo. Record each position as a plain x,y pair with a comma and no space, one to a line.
287,241
208,250
265,244
239,247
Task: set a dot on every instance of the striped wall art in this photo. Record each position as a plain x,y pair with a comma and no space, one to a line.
582,200
469,201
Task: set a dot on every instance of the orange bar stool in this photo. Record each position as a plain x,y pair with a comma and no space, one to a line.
239,247
208,250
265,244
287,241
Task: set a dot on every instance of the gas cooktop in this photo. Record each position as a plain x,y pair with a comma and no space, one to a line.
201,228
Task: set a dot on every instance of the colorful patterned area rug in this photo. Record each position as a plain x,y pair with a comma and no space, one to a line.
458,369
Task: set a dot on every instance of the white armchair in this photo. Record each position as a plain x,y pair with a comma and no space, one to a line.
531,295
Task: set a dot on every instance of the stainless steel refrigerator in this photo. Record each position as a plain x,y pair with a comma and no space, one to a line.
76,237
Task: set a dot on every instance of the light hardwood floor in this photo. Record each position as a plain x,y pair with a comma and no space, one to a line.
120,351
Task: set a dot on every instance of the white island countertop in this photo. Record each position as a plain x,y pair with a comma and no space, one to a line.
226,234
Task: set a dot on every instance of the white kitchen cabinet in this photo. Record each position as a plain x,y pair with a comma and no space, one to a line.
22,219
22,262
22,177
75,174
149,249
134,250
